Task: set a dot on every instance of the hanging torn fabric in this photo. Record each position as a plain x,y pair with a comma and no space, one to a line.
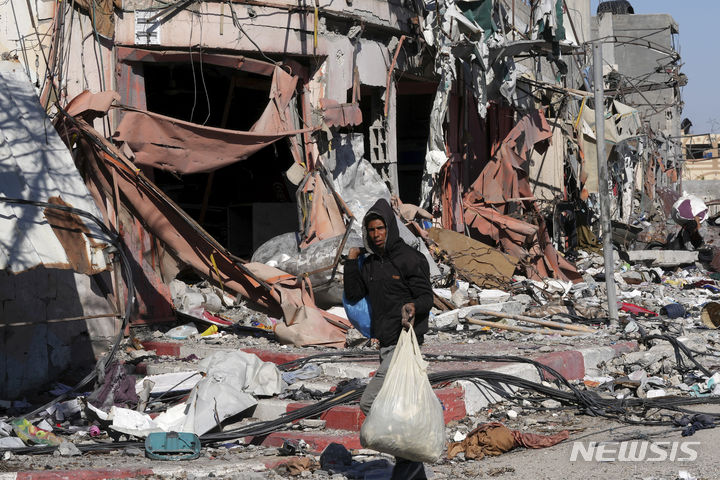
105,168
547,19
183,147
320,215
303,323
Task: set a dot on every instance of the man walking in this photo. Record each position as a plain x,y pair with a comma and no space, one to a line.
396,279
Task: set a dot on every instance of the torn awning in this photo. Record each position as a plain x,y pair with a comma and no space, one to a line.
337,114
110,175
184,147
504,181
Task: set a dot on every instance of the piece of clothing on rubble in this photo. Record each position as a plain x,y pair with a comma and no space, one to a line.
115,388
587,239
494,439
390,279
693,423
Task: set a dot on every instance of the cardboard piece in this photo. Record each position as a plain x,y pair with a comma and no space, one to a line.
481,264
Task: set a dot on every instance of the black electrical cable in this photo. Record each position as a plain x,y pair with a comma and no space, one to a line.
589,402
116,242
678,347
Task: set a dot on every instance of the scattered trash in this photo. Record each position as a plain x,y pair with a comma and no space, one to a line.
29,433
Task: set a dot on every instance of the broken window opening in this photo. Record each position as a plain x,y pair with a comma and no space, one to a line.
413,128
249,201
241,205
171,90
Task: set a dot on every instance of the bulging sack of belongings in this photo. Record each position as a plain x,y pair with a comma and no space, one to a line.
406,418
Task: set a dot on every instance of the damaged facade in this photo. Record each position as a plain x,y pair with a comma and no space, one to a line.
241,142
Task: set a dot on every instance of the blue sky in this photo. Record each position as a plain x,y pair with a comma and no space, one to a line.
698,24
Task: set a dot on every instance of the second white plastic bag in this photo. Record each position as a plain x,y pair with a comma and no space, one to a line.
406,418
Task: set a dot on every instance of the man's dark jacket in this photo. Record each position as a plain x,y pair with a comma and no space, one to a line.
400,275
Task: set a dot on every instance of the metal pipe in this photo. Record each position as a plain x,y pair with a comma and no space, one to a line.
57,320
515,328
536,321
602,167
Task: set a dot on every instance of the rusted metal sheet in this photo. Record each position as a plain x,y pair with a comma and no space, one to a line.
503,181
183,147
340,114
128,54
321,212
530,243
91,105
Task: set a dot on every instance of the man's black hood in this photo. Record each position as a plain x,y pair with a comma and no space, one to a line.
382,209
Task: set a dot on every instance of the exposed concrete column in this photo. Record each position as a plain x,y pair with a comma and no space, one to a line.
391,126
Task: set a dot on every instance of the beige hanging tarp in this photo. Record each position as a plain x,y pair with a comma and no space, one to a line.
621,125
546,171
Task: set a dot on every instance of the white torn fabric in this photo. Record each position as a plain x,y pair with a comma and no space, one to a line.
543,11
131,422
509,82
435,156
231,380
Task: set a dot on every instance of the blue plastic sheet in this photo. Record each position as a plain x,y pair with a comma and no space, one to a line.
359,312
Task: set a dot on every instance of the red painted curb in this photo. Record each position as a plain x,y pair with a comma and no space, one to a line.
163,348
342,417
350,418
453,402
101,474
569,363
317,441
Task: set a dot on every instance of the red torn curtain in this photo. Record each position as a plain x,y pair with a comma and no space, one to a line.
502,182
183,147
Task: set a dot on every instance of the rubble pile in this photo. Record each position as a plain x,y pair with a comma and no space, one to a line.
172,245
671,310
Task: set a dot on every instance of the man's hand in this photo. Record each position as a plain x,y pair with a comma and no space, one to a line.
354,253
408,315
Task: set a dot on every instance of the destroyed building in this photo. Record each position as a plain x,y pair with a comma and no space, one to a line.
241,143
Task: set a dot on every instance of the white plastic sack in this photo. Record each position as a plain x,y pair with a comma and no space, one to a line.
406,418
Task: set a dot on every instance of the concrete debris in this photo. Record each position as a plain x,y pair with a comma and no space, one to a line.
68,449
